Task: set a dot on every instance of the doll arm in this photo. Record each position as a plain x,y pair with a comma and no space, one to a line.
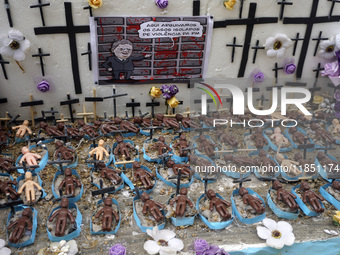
22,188
37,156
99,213
279,195
78,183
62,184
16,127
37,185
115,214
93,151
225,202
150,174
304,198
211,206
189,202
12,182
174,200
159,204
55,214
129,145
28,130
29,225
22,159
12,224
145,208
319,197
292,195
106,153
245,200
72,219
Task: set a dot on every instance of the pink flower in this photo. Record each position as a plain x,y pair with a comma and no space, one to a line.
331,69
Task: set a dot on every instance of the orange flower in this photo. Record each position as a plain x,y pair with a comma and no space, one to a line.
95,4
155,92
229,4
173,102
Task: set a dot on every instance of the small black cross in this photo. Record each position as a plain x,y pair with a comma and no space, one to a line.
320,38
206,179
89,54
256,48
94,162
25,167
151,128
133,105
89,8
8,11
234,45
71,30
328,147
114,96
60,163
250,22
332,7
317,70
241,9
41,55
178,177
283,4
40,6
46,118
241,181
174,109
305,147
296,39
309,22
152,104
276,69
180,129
3,63
70,102
262,99
13,119
276,86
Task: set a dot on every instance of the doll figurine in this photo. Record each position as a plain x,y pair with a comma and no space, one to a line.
69,182
290,165
29,186
126,125
50,130
62,215
279,137
263,160
311,197
336,126
227,139
206,145
181,145
3,135
240,160
161,146
7,189
70,131
297,136
65,152
187,122
168,122
185,168
254,202
22,129
197,161
107,128
308,166
326,161
152,207
321,134
20,225
146,122
283,195
123,148
107,212
182,201
336,185
259,139
142,175
29,157
88,129
109,173
6,164
99,151
220,205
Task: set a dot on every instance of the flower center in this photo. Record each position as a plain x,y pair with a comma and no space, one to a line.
162,242
276,234
330,48
14,45
277,45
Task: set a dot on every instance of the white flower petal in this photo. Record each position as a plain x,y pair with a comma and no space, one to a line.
282,37
263,233
2,243
25,45
325,44
167,251
7,51
165,234
284,227
275,243
15,34
19,55
337,42
286,44
281,52
176,244
269,43
5,251
269,223
6,41
151,247
271,53
150,233
288,239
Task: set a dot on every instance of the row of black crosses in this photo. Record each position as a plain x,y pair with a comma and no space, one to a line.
252,20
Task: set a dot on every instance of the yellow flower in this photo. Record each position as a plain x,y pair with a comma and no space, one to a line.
336,217
95,4
318,99
173,102
155,92
229,4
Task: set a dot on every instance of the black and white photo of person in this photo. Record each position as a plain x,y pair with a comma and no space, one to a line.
122,60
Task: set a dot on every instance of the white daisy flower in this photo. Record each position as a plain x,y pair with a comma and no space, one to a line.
4,250
327,48
276,46
276,234
164,242
337,43
14,45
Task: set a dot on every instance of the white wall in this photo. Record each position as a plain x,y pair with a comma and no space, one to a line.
58,65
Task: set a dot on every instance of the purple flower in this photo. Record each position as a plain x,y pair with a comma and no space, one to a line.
173,90
215,250
337,95
258,77
331,69
200,245
290,68
118,249
337,54
43,86
166,92
162,4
